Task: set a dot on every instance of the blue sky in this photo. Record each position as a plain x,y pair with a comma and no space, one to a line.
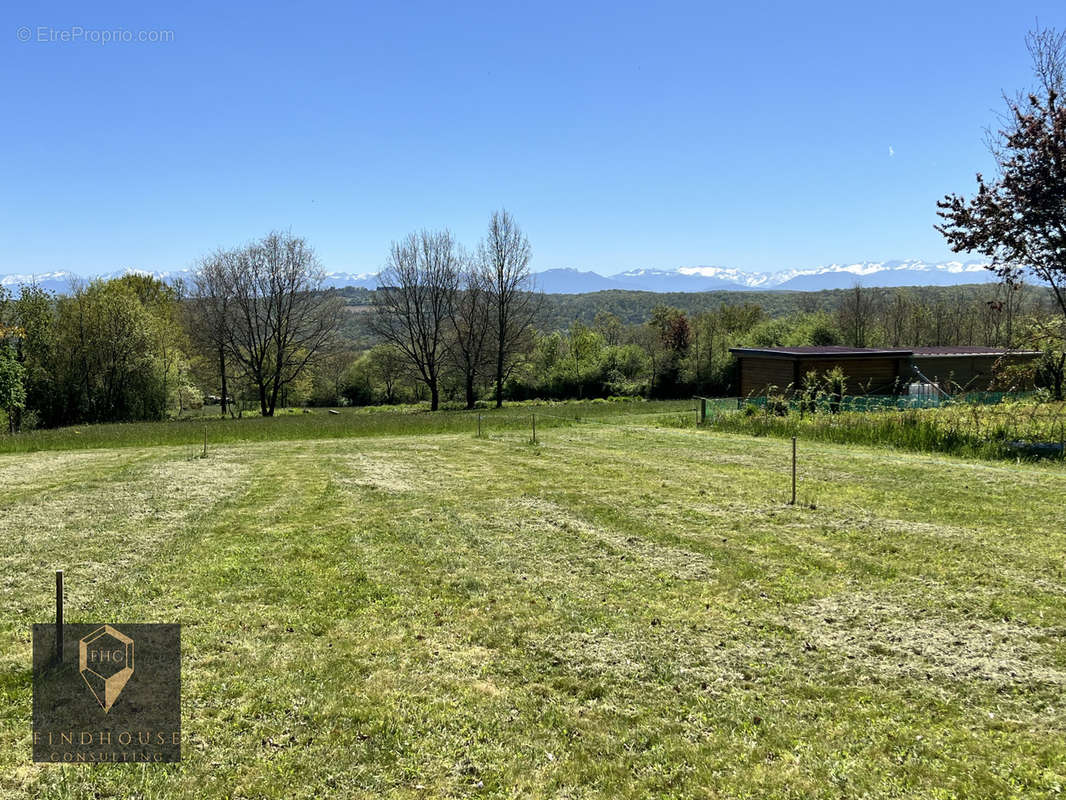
753,135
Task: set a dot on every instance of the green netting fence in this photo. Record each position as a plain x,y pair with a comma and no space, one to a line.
879,402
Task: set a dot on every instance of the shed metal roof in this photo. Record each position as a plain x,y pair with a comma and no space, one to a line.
837,351
808,351
961,350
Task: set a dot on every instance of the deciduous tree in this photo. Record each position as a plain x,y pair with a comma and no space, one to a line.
504,255
1018,218
415,300
278,322
208,315
471,326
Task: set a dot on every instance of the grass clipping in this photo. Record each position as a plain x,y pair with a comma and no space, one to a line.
880,637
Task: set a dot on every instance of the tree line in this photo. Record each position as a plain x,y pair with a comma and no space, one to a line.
675,353
106,351
255,331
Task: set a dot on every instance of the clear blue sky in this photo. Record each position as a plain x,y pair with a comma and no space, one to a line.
620,134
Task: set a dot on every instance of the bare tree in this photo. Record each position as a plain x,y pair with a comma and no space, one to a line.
279,322
504,256
896,313
209,310
856,314
469,346
415,300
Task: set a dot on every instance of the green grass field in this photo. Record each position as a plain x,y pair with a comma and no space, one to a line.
319,423
615,612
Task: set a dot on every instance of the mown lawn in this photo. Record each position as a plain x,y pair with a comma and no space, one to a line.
320,423
614,612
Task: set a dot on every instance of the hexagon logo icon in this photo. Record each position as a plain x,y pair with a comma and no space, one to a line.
105,661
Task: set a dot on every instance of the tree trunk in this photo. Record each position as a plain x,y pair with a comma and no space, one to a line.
165,371
434,396
222,373
499,378
263,409
274,391
470,399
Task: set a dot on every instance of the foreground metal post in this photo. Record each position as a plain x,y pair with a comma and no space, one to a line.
59,615
792,502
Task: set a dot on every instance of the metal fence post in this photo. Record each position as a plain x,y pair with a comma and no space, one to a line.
59,615
792,502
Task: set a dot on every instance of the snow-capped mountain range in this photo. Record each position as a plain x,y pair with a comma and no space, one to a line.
61,281
832,276
682,279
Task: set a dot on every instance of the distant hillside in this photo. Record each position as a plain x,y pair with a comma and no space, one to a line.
560,311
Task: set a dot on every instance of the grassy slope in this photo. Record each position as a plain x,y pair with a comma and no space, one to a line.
611,613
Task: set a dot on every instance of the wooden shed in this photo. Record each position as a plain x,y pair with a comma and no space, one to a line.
869,370
966,368
777,369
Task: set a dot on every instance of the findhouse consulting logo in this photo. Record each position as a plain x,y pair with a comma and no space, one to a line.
105,661
115,697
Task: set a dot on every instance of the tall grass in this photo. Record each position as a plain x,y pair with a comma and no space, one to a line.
1008,430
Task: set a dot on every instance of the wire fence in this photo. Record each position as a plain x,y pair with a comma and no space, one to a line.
882,402
992,425
987,424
